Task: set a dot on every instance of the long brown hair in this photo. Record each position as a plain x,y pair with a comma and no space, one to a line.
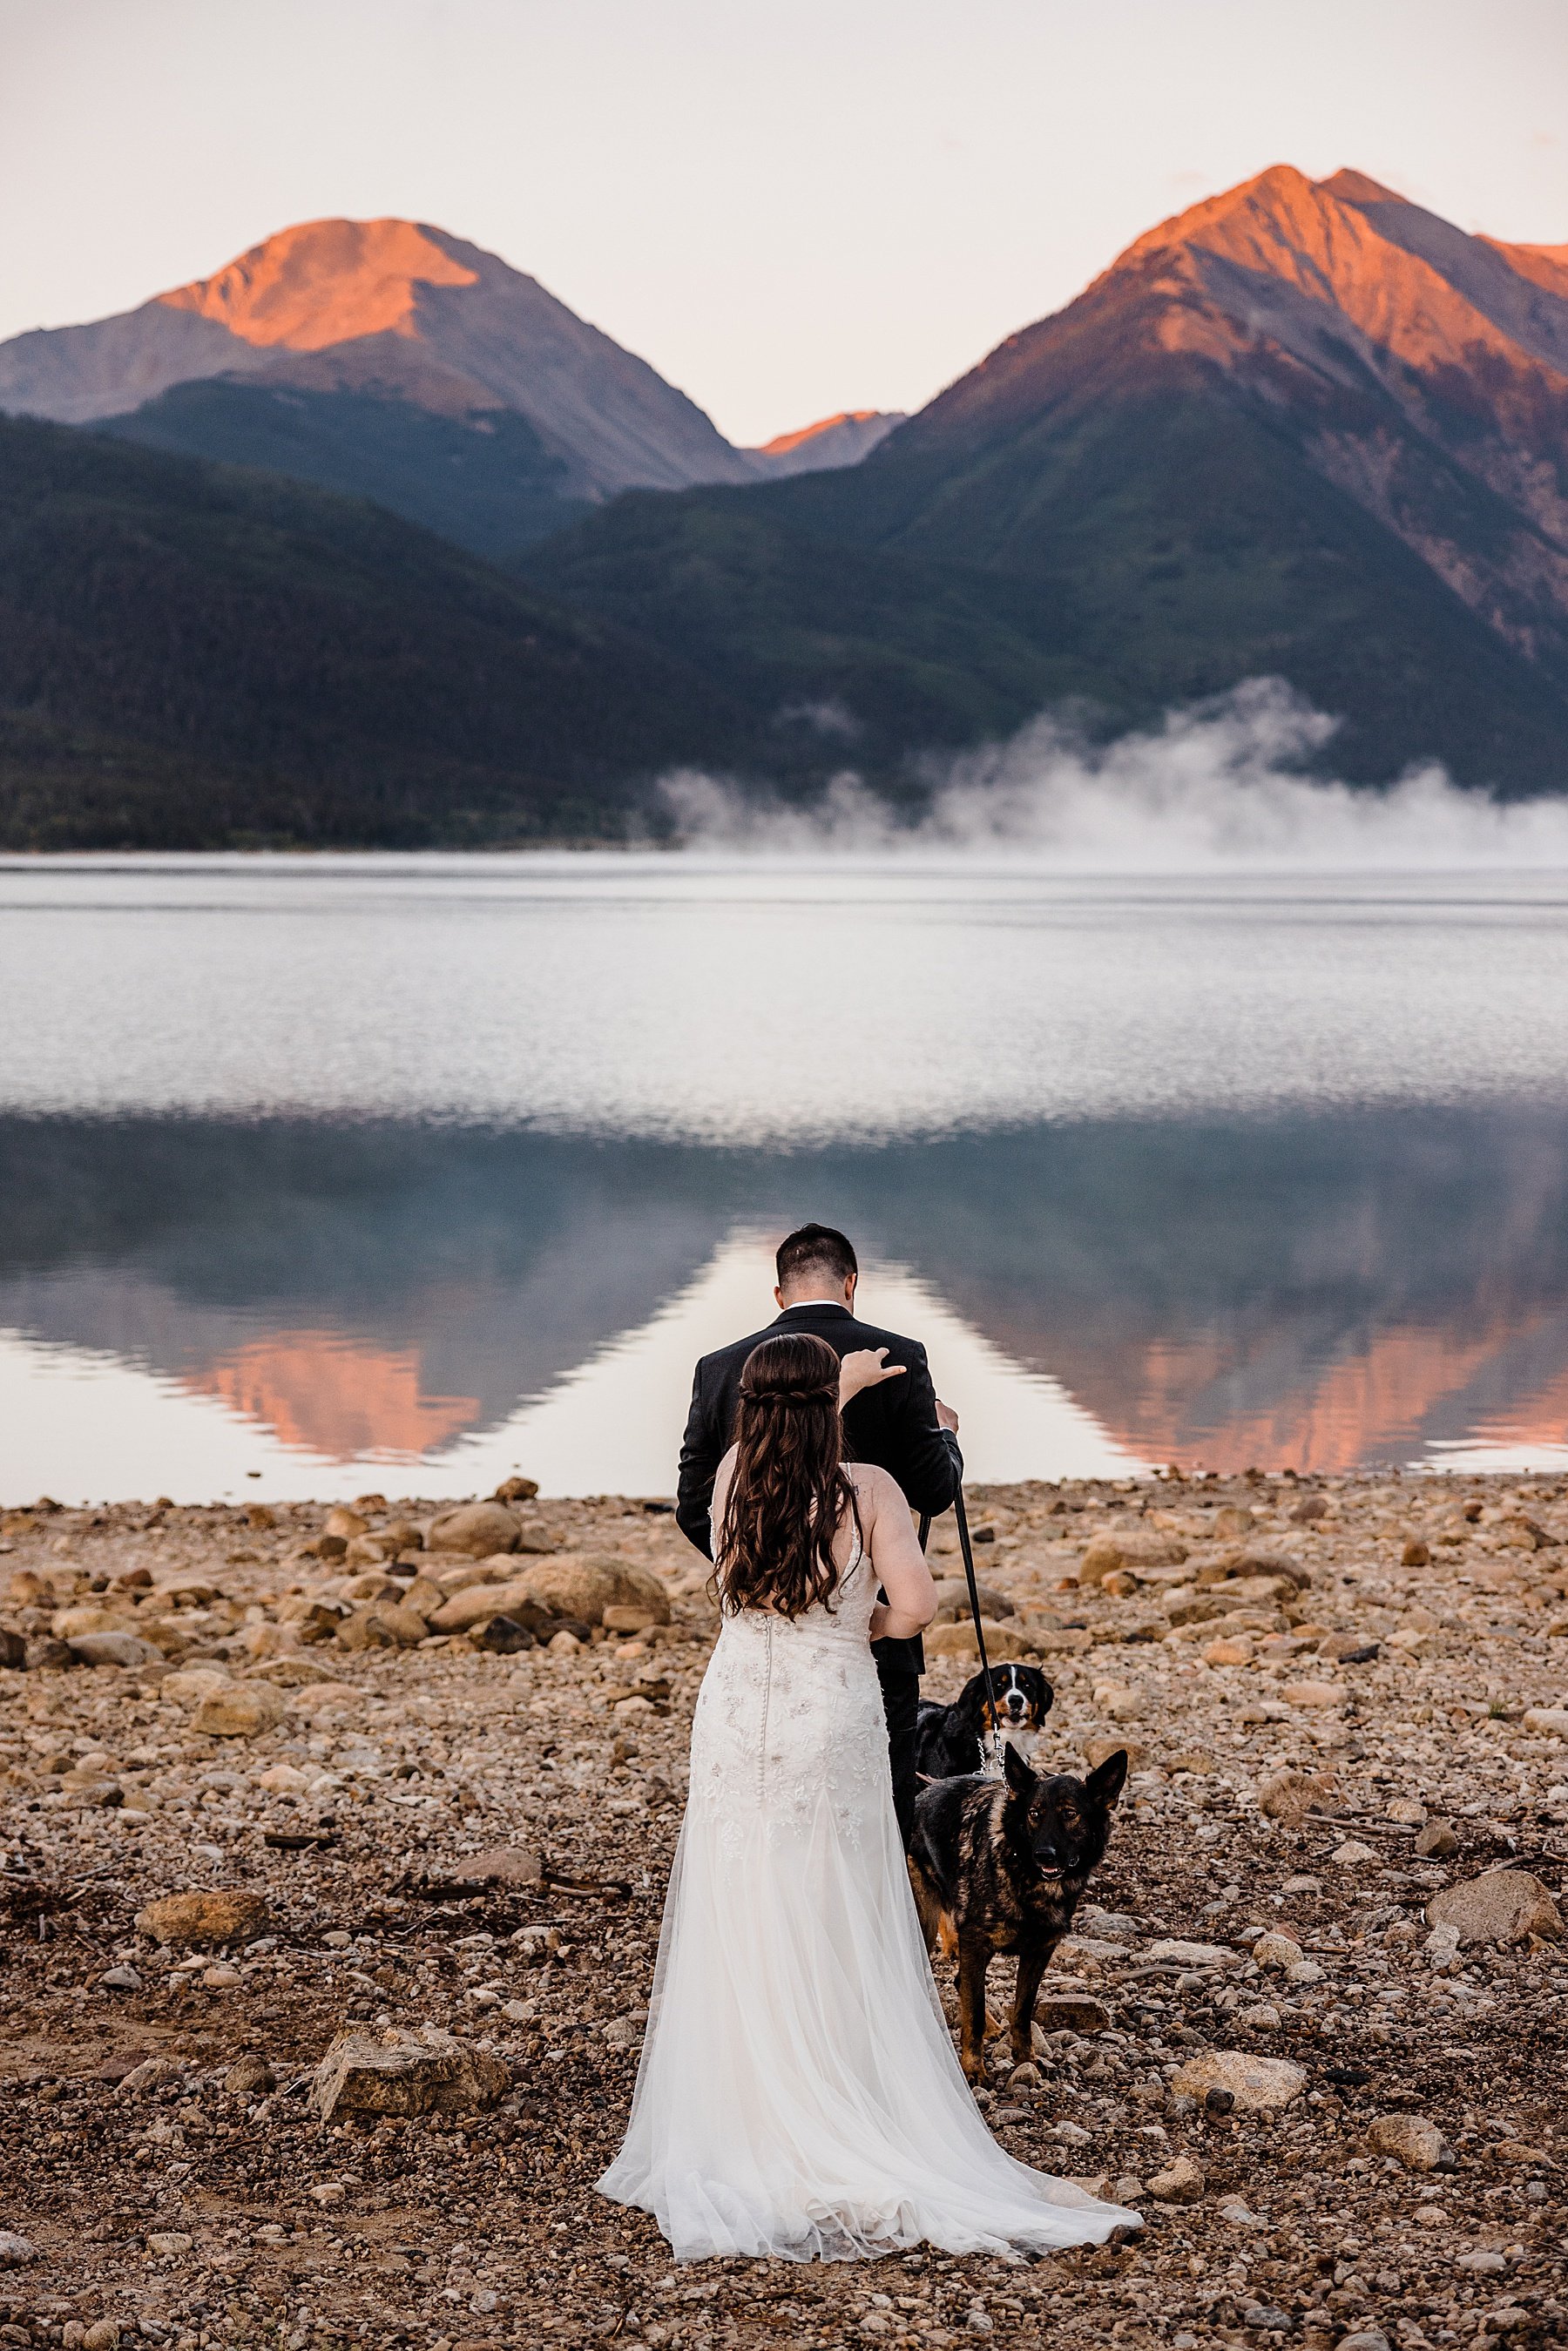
789,1489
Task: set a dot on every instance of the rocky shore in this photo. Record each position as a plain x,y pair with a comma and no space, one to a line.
333,1844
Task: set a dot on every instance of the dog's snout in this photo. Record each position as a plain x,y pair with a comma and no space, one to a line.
1016,1705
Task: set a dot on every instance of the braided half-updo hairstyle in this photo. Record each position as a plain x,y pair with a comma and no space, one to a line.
789,1489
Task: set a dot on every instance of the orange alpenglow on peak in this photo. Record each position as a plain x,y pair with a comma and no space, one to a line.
1289,257
783,443
325,282
386,310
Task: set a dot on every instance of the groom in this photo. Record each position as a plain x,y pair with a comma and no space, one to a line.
900,1425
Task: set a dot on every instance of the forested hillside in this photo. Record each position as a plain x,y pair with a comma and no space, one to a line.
192,657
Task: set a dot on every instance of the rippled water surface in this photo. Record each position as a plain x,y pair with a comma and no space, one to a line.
309,1167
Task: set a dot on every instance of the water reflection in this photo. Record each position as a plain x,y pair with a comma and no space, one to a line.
192,1300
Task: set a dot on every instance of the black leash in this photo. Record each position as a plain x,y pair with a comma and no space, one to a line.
962,1516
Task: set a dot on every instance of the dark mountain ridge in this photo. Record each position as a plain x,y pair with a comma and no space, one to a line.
1274,437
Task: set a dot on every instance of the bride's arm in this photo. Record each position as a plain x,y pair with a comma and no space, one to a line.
723,1476
867,1367
897,1561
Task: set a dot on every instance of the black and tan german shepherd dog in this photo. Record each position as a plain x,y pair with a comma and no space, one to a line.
998,1866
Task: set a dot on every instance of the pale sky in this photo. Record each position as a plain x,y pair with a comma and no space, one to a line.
840,203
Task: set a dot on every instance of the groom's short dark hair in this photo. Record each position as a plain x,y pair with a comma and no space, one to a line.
815,1248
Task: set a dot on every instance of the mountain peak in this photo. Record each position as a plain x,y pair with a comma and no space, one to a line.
325,282
1346,274
783,443
1280,188
833,440
394,310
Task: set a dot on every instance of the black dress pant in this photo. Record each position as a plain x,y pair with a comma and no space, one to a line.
900,1701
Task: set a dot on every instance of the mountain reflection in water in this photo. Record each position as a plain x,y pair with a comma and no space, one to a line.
1319,1290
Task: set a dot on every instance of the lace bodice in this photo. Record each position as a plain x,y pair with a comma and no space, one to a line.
789,1717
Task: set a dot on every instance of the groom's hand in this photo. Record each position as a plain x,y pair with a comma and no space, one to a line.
945,1416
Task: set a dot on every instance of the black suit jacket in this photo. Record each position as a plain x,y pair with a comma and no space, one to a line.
894,1425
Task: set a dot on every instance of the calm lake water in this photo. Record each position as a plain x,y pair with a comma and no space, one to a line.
409,1172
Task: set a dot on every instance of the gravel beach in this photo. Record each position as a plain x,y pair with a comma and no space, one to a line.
333,1845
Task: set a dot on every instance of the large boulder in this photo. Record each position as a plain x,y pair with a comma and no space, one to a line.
1134,1555
114,1648
1181,2182
581,1586
50,1657
1504,1906
310,1617
239,1710
1242,1566
166,1634
1069,2012
1185,1605
1411,2139
501,1567
953,1601
501,1636
401,2072
196,1921
476,1603
192,1684
186,1590
1253,1591
1002,1642
500,1865
476,1528
88,1616
374,1585
382,1624
1289,1796
152,2074
1260,2086
1194,1955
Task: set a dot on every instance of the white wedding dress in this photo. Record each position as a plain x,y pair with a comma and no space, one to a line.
798,2095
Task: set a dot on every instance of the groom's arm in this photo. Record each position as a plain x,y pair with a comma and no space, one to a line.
929,1467
701,1454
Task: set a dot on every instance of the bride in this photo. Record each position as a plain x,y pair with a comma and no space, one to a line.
798,2095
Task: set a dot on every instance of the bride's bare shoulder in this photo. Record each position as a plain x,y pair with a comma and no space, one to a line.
873,1486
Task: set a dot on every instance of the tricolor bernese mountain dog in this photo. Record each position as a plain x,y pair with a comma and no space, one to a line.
950,1740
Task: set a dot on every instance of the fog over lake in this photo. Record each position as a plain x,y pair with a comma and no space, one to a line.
410,1171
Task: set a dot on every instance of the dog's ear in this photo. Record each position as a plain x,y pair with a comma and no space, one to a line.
1105,1782
1021,1779
1048,1700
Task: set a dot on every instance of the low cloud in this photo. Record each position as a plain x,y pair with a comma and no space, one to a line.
1220,784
